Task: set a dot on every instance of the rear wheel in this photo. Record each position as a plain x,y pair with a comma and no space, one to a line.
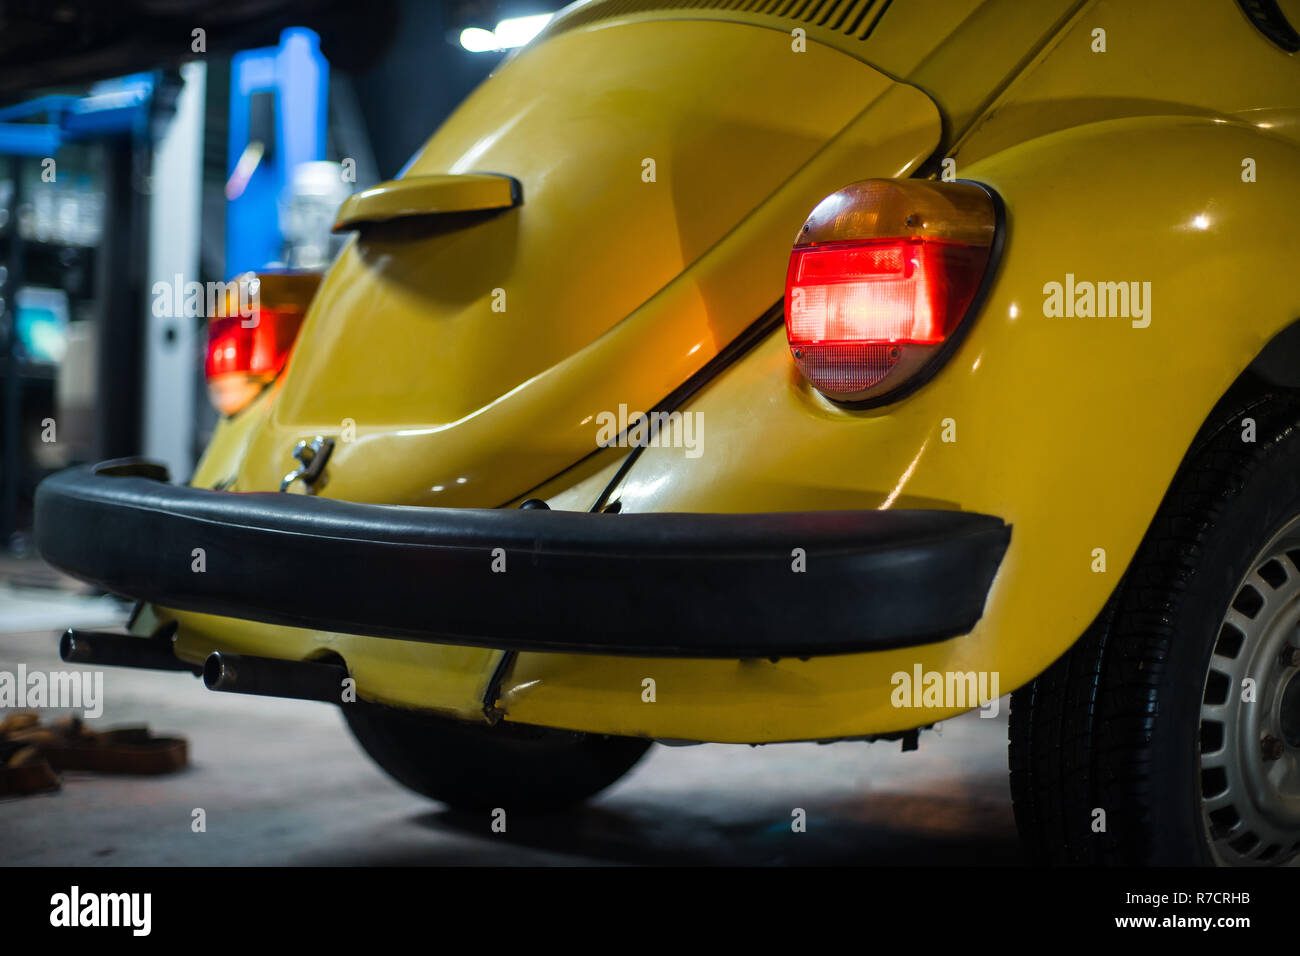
1250,714
1170,734
474,766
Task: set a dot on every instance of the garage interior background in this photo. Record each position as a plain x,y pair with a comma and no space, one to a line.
134,149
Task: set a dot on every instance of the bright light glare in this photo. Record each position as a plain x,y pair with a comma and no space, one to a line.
516,31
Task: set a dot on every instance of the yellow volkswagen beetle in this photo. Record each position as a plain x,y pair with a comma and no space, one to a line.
782,370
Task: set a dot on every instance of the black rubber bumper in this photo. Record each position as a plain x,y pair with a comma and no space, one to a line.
677,585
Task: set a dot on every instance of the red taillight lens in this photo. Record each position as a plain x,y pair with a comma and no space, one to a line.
256,346
246,353
248,346
865,311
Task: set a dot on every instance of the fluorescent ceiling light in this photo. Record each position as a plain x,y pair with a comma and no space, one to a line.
514,32
478,40
519,30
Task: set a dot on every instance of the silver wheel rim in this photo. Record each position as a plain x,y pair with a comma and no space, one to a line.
1249,777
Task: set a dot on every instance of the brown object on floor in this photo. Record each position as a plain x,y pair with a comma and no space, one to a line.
15,723
70,745
23,771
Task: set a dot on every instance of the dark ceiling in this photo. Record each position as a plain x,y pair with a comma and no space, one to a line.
45,43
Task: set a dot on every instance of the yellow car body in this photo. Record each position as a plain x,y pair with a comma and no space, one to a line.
1122,163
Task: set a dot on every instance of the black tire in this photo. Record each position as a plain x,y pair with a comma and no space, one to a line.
1116,723
469,766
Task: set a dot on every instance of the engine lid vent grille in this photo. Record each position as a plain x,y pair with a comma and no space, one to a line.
1269,19
852,18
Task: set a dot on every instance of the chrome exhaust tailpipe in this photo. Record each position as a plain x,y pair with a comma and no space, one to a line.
271,677
78,646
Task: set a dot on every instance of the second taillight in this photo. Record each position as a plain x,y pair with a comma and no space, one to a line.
250,342
880,279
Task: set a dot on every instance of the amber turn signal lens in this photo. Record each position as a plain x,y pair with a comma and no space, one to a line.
880,280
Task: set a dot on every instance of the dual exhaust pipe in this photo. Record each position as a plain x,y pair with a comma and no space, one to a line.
270,677
78,646
231,673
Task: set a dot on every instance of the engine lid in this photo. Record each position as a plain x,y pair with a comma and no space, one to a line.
663,167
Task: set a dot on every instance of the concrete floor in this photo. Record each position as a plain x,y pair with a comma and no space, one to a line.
282,782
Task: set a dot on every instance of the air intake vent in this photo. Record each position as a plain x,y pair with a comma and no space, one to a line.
1272,22
852,18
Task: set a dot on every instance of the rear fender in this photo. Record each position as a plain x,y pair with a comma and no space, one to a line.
1069,428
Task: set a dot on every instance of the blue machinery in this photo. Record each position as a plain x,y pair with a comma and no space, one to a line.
279,98
115,106
278,101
